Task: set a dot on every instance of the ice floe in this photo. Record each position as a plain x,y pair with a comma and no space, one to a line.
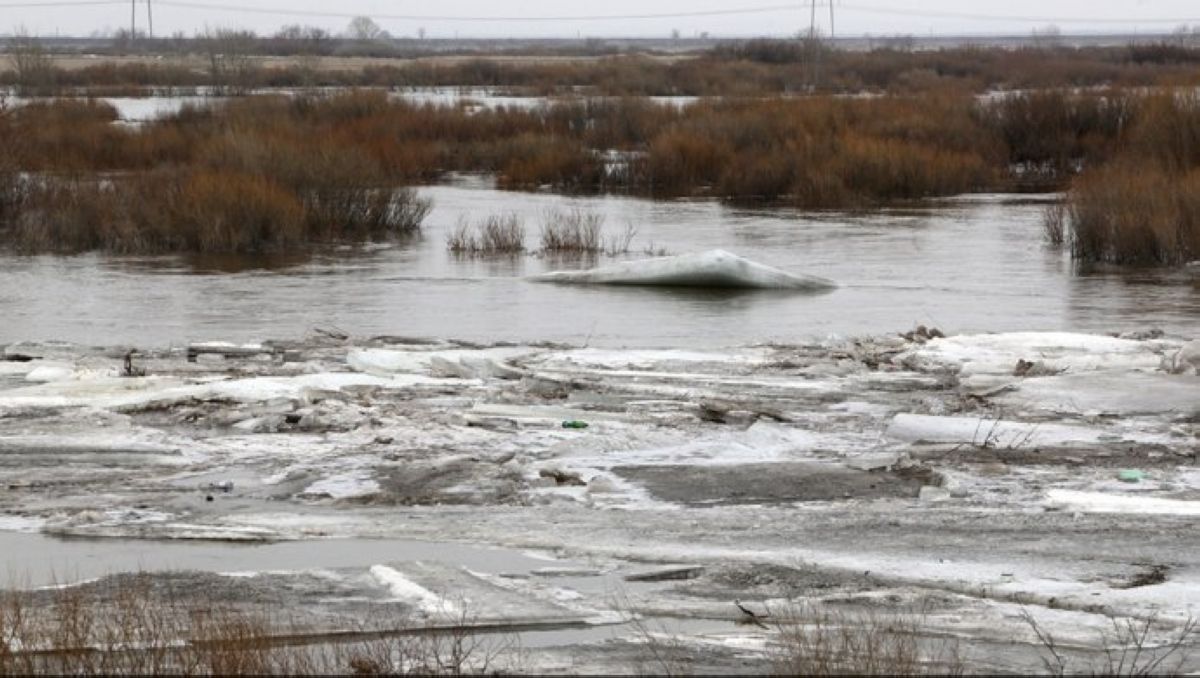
711,269
1102,502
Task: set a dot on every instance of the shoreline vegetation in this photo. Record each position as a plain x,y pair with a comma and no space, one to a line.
278,172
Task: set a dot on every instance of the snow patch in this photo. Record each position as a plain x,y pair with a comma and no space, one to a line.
403,588
343,485
1100,502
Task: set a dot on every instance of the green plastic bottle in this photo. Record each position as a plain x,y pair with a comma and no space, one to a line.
574,423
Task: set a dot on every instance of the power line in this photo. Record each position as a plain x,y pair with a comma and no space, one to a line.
765,9
972,16
59,3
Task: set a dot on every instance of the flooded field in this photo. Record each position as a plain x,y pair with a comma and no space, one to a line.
963,265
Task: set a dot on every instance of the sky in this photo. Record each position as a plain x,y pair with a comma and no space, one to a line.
612,18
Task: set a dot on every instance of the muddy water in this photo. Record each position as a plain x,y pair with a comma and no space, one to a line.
971,264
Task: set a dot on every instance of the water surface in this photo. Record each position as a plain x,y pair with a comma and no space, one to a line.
970,264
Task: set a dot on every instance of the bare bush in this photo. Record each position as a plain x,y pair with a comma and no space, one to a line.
136,624
621,242
495,234
1131,647
231,67
1054,224
822,642
34,68
572,231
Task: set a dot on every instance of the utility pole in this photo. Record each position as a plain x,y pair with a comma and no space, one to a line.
132,20
150,19
830,18
812,20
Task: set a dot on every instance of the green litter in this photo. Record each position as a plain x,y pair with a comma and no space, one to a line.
1130,476
574,423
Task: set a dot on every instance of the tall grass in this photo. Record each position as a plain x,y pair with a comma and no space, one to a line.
1143,208
1135,214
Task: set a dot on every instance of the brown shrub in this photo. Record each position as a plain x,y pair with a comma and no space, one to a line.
530,161
1130,213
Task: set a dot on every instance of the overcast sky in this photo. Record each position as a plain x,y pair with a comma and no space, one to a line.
760,17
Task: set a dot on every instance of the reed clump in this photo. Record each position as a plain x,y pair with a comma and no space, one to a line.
494,234
1143,208
572,231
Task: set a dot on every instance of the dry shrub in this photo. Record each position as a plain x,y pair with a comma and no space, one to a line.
885,169
495,234
681,161
1131,213
141,624
531,161
1050,133
238,212
1167,131
1131,647
816,641
573,231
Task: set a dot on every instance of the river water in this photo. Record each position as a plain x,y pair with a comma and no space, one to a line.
969,264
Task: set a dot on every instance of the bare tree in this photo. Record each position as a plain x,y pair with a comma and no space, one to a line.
307,44
230,67
364,28
1047,37
31,61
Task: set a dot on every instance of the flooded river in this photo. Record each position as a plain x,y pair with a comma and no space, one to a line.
969,264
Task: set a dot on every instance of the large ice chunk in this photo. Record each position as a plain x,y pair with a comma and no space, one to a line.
711,269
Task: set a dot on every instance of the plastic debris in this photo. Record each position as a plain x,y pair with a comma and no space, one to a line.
1130,476
574,423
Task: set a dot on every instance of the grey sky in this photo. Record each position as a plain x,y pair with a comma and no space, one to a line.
857,17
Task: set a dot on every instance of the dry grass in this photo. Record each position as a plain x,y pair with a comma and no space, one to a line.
495,234
753,68
1054,224
817,641
138,624
572,231
1136,215
1131,647
342,157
